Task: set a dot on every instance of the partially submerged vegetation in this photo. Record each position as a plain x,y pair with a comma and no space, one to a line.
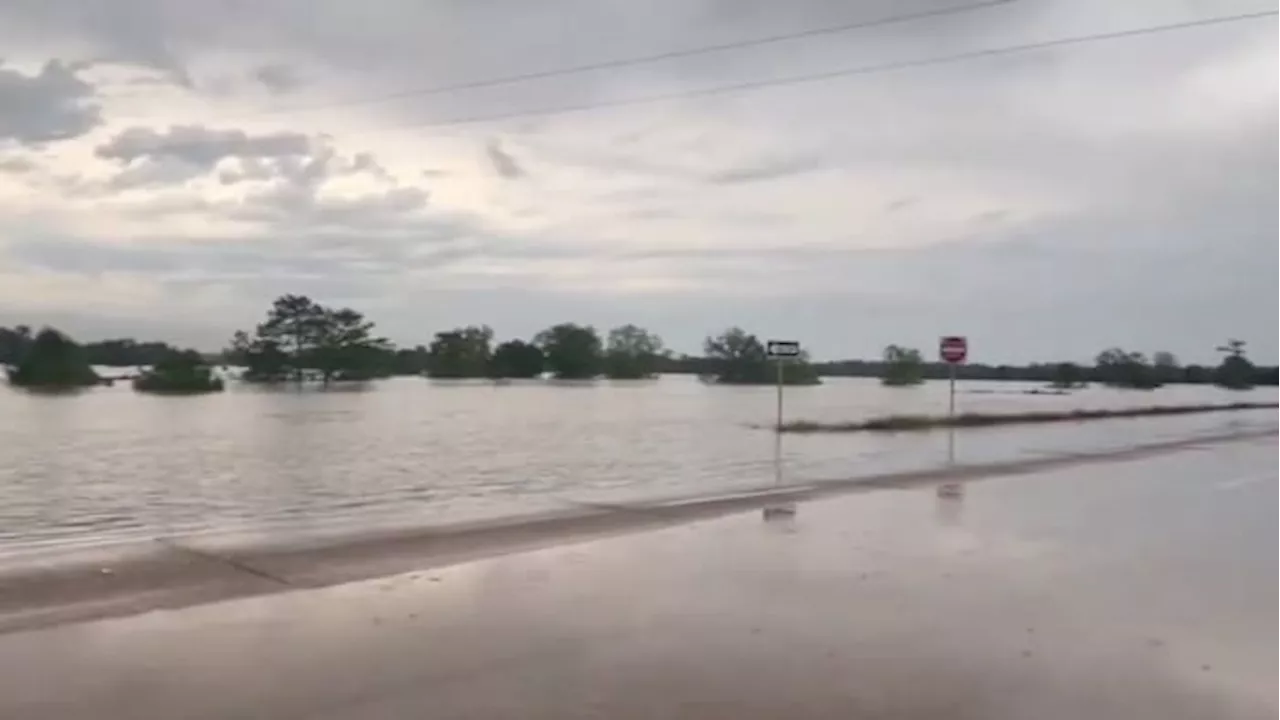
903,423
736,357
52,361
179,373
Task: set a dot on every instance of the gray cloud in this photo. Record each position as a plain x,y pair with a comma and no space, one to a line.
53,104
16,165
502,162
771,169
201,146
1047,204
277,78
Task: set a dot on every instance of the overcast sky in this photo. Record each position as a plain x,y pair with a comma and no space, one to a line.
168,167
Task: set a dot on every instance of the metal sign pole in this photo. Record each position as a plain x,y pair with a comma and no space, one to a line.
778,425
951,400
951,416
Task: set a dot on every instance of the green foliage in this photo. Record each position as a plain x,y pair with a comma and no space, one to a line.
739,358
410,361
52,361
1068,375
14,344
460,353
903,366
572,351
1235,372
1119,368
516,359
180,371
302,337
632,353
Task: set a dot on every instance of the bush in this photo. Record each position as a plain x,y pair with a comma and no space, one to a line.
182,372
53,361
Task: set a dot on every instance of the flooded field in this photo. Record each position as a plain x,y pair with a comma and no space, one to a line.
113,464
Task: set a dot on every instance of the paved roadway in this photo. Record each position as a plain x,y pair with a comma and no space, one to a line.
1143,588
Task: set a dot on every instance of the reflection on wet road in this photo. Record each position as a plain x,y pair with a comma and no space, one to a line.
1136,589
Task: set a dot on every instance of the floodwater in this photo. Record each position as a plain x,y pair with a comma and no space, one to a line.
112,464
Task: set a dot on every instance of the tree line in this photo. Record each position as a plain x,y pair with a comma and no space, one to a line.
303,340
1113,367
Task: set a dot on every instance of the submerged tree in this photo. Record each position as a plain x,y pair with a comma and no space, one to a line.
52,361
1235,372
1120,368
572,351
14,343
902,366
739,358
300,335
516,359
460,353
180,371
1067,375
632,353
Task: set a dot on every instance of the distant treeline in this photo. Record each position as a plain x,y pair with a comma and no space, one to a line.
301,339
123,352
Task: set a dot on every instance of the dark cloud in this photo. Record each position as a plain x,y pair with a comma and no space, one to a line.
201,146
277,78
502,162
53,104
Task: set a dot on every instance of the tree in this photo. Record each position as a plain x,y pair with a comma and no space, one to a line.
739,358
516,359
1067,375
902,366
411,361
53,361
1235,372
180,371
460,353
262,358
572,351
346,348
632,353
14,344
294,326
1119,368
1165,367
300,335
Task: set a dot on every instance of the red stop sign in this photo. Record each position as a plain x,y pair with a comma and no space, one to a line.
953,349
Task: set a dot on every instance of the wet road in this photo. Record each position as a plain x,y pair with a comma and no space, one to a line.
1135,589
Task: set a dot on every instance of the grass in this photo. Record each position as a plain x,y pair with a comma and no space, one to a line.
906,423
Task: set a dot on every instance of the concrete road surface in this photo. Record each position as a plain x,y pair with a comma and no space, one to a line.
1143,588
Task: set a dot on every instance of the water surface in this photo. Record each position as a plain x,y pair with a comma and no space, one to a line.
111,463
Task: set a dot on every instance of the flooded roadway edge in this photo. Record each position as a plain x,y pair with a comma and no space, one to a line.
175,572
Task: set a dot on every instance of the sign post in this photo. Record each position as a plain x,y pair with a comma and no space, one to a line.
953,349
781,351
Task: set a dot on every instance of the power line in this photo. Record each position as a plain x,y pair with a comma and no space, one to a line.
870,69
641,59
847,72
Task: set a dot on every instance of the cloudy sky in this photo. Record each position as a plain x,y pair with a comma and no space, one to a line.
167,167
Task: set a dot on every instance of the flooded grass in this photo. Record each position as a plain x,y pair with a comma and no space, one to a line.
905,423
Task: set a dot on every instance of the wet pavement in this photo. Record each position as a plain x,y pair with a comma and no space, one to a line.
1142,588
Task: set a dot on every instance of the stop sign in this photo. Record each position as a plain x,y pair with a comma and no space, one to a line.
953,349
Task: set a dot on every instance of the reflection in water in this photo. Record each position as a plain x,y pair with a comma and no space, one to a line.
950,509
782,516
